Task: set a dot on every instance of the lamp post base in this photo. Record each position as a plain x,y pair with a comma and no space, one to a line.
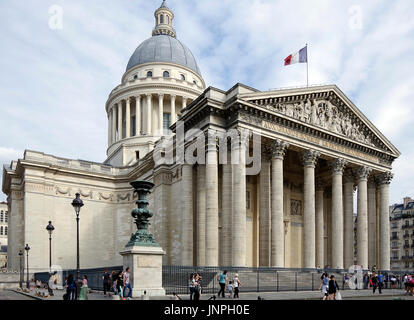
145,265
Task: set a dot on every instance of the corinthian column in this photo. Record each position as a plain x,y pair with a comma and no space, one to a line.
310,158
362,218
149,114
211,202
161,113
384,221
338,167
138,115
173,111
348,218
227,213
239,202
277,224
113,124
264,213
201,215
120,120
372,221
187,215
128,118
319,237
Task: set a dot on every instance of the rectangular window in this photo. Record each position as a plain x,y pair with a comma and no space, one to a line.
134,129
166,124
7,217
5,231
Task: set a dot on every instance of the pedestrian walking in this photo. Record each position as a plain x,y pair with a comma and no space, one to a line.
380,282
84,289
114,279
375,283
197,287
120,285
333,288
324,286
366,280
106,281
405,282
236,286
222,279
191,285
127,284
393,281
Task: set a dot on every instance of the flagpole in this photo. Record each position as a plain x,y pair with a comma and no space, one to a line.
307,66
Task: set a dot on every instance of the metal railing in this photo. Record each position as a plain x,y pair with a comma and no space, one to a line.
175,279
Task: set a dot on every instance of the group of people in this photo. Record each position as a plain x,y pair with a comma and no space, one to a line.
72,293
329,287
223,280
118,283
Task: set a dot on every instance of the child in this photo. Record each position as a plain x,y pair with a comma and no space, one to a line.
230,288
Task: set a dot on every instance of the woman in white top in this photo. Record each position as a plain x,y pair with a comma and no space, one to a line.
236,285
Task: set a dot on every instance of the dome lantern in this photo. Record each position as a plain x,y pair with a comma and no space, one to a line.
164,21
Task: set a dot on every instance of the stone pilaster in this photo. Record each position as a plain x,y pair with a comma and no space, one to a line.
279,149
201,215
372,222
348,218
212,220
337,231
362,218
310,159
319,223
265,212
384,221
239,203
187,215
173,111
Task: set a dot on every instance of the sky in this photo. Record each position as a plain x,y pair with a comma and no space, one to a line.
59,60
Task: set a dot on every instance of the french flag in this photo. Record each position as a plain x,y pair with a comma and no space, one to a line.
299,57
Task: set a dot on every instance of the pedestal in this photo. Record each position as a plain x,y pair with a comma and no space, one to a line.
145,264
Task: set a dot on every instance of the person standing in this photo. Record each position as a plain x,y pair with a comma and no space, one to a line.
374,282
236,286
191,285
222,278
127,284
51,284
70,289
366,281
197,287
106,282
380,282
84,289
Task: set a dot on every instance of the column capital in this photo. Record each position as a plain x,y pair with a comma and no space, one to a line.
148,95
310,157
173,96
128,99
338,166
372,182
349,176
363,172
160,95
279,148
137,97
385,178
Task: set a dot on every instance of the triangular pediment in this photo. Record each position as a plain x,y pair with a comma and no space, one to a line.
324,107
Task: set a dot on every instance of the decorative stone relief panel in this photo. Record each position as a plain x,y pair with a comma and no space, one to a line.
295,207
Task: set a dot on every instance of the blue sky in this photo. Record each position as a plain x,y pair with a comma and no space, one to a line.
54,82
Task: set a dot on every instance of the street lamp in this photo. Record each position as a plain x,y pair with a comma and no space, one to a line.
21,268
77,204
27,248
50,229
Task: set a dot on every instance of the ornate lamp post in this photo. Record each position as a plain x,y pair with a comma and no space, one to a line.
21,268
77,204
27,248
50,229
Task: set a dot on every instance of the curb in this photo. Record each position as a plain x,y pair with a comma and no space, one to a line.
26,294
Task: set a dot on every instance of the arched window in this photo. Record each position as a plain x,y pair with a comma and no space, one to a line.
195,82
162,19
135,77
5,231
149,74
182,77
166,74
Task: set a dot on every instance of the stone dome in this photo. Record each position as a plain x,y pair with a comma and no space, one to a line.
163,48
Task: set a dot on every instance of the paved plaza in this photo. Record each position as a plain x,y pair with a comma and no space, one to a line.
388,294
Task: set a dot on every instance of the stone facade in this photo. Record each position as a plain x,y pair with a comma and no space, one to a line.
4,228
316,146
